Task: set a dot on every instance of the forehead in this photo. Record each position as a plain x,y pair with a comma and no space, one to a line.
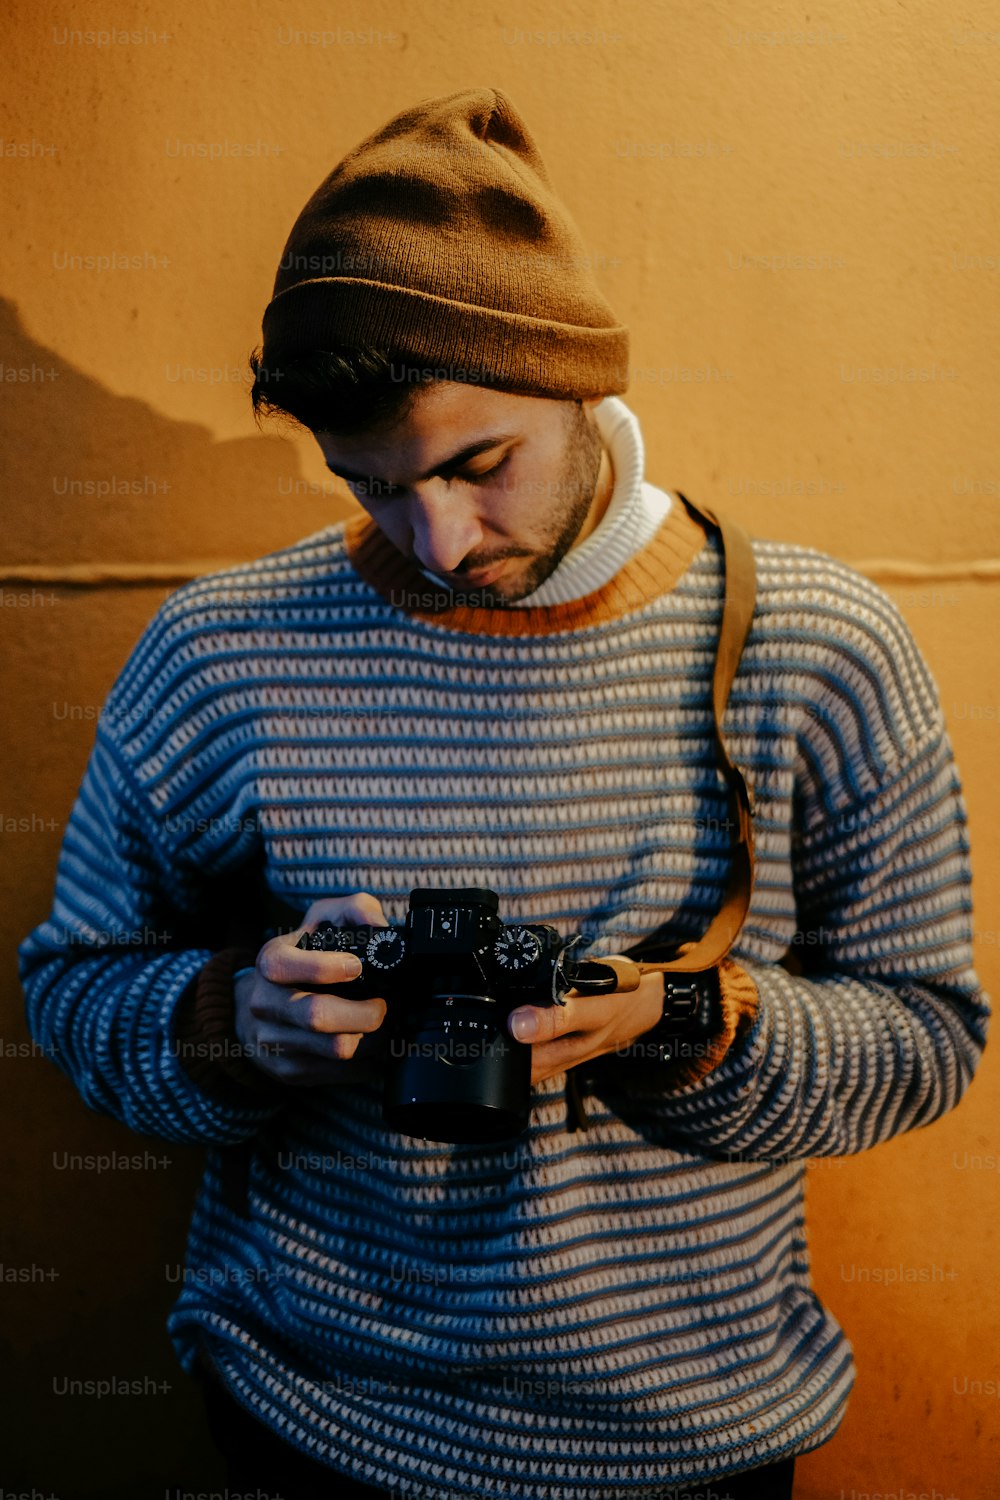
443,418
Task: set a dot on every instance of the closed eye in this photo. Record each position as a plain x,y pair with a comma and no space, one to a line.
373,490
486,474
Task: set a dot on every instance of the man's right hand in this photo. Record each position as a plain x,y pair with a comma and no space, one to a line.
288,1029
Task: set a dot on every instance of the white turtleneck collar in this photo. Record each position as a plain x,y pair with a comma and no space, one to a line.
635,513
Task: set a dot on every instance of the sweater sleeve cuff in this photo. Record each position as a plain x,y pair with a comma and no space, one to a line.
739,1003
205,1034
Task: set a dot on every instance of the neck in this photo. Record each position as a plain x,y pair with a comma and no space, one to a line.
603,491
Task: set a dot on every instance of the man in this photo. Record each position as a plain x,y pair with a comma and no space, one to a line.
499,675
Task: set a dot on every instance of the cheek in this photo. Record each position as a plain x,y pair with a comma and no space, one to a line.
518,500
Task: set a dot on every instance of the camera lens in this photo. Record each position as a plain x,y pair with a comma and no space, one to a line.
456,1074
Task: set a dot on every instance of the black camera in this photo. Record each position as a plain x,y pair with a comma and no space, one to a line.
450,978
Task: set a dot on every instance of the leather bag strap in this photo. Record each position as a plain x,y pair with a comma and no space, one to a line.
737,614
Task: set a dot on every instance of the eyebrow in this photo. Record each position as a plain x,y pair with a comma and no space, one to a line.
454,462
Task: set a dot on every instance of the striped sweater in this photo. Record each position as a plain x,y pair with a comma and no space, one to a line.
566,1316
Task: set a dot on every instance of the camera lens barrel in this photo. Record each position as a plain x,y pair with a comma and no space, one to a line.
456,1074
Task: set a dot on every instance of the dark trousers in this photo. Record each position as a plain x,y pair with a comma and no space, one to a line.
258,1460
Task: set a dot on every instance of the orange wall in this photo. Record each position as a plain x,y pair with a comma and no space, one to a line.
795,213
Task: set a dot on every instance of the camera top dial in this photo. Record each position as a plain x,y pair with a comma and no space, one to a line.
385,949
516,948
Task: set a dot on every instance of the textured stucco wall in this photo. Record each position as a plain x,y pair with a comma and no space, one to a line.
794,210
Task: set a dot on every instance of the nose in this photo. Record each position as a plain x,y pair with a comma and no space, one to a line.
444,529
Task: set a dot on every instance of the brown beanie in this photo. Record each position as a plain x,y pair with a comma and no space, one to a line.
440,241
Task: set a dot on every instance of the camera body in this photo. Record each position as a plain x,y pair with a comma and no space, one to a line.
450,977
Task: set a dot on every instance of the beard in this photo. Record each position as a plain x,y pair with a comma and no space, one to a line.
575,490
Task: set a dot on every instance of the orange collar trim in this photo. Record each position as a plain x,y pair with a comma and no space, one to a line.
651,572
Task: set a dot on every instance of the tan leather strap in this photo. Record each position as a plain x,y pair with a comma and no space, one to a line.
737,613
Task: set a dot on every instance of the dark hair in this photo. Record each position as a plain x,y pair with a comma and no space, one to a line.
336,390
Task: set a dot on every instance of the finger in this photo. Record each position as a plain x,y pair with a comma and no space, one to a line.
562,1054
543,1023
280,962
330,1013
289,1045
303,1069
361,909
308,1011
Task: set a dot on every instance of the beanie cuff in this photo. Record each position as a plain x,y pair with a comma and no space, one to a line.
455,341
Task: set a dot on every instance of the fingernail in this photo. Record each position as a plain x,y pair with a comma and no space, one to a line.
525,1025
352,967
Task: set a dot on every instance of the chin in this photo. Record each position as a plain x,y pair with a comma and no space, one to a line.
511,593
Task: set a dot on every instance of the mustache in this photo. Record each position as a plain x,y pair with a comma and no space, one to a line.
492,562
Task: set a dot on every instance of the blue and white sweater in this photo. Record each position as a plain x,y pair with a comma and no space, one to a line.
571,1315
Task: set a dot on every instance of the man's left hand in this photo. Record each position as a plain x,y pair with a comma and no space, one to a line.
588,1026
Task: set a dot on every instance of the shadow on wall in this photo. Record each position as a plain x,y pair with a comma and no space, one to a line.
92,1237
93,476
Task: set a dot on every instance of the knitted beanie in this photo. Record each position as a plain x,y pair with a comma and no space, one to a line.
439,240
